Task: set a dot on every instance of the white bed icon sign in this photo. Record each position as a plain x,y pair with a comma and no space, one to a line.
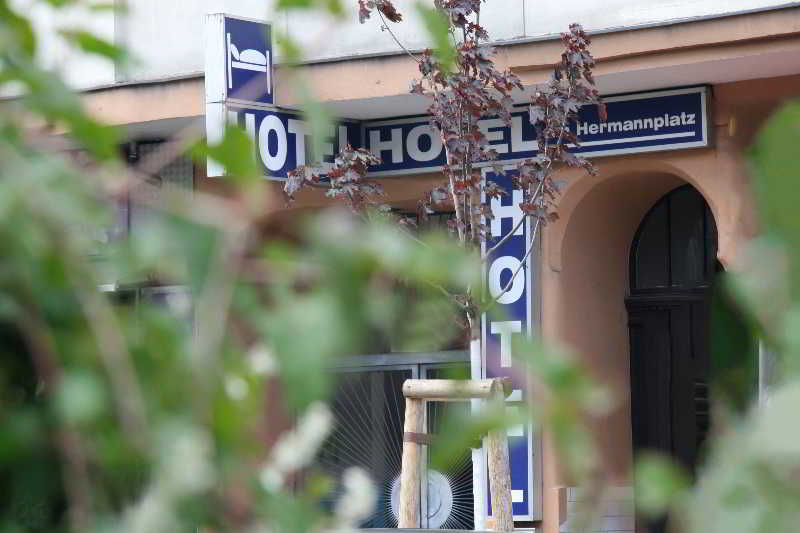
248,59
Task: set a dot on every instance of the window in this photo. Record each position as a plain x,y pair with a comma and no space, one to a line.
369,410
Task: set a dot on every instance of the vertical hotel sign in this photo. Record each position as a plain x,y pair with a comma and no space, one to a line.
512,315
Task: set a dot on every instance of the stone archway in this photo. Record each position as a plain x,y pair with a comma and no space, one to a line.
584,298
584,278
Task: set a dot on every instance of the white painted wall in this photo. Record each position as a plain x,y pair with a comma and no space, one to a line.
543,18
167,35
54,53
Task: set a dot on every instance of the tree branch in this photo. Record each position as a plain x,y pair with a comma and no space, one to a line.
213,302
513,230
387,28
111,344
69,444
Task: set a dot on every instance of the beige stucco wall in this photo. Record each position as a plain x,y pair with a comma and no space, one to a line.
585,253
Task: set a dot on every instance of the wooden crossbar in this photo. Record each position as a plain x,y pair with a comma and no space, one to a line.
444,390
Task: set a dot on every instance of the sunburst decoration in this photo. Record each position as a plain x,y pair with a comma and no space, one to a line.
369,410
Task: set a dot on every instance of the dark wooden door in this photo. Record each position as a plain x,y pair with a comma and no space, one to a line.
669,373
672,265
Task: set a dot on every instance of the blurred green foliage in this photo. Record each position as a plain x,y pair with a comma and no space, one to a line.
120,417
123,414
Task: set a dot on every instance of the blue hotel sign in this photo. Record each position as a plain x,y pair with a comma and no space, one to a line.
511,316
239,88
248,61
281,138
646,122
239,71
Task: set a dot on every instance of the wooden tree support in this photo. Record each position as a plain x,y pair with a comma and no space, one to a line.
417,392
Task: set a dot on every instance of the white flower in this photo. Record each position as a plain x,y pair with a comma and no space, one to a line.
186,460
358,499
236,387
296,448
271,479
262,362
151,514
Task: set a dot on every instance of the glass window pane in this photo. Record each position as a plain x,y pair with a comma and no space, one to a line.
449,490
687,238
369,410
651,254
178,173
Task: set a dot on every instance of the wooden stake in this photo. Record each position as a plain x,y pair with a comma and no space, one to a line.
417,392
411,467
499,473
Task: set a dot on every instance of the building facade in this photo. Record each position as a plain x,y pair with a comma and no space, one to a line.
621,277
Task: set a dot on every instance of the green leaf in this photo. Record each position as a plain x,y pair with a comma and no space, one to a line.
321,121
235,152
439,30
291,52
734,350
463,429
116,7
80,397
92,44
16,33
776,167
61,3
659,482
48,96
295,4
334,7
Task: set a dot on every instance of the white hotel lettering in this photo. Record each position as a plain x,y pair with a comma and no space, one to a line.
383,140
502,139
295,130
505,329
413,144
273,162
650,123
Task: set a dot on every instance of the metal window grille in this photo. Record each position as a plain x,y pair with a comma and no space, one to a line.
178,173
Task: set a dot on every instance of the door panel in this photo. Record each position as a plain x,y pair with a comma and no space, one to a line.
681,402
651,376
669,376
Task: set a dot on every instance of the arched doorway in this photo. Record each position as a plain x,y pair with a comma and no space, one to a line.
672,267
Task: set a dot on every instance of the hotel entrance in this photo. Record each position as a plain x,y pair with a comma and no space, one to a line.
672,268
